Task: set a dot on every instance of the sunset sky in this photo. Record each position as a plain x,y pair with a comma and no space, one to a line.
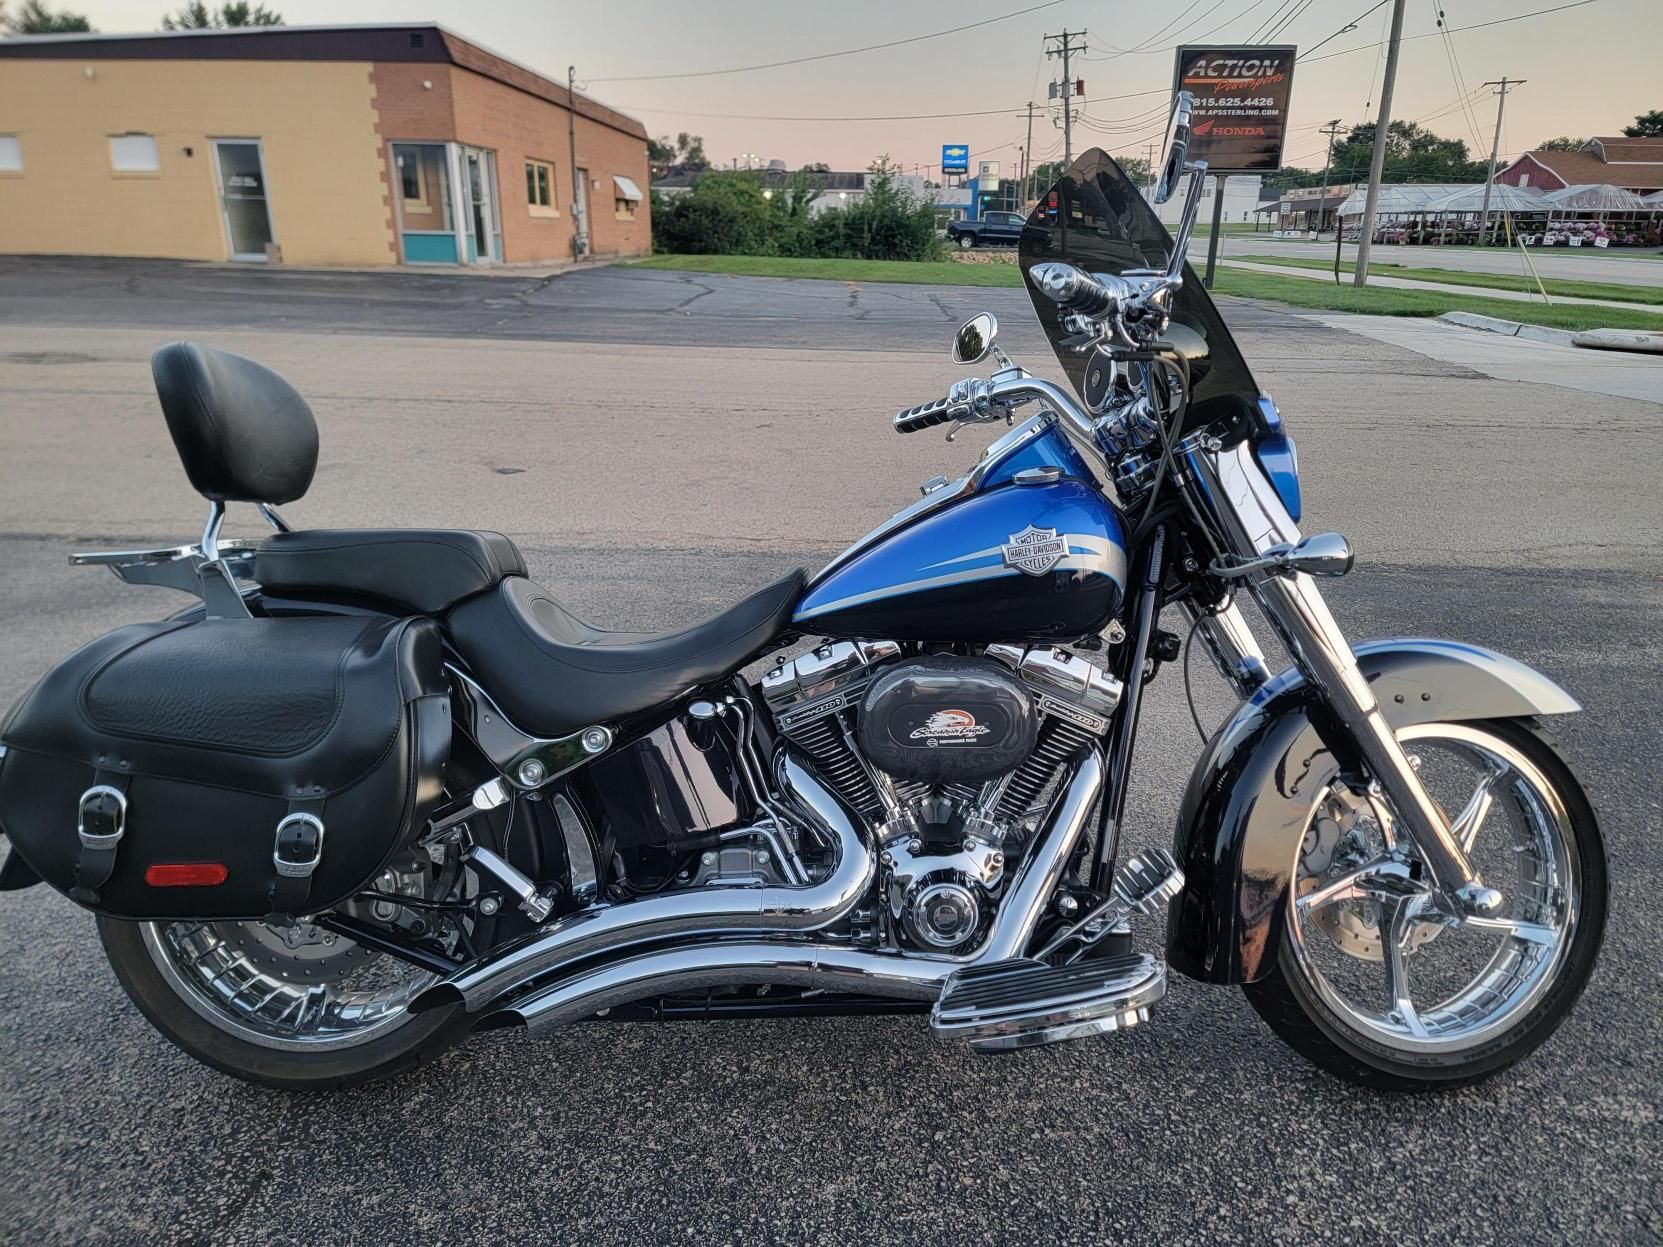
1590,68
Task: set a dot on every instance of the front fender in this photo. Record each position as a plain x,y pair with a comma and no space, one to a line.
1254,791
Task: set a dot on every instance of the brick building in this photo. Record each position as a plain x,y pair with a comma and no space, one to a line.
1632,164
330,145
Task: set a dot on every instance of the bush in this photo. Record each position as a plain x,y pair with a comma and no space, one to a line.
731,214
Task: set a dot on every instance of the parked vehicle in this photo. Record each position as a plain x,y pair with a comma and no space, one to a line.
992,229
379,788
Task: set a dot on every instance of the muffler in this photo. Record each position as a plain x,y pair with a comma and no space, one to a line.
695,967
712,911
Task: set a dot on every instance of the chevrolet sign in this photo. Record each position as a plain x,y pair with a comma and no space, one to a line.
955,158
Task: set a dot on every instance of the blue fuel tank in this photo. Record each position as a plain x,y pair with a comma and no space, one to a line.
1026,547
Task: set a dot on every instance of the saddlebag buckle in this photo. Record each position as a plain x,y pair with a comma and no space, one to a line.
299,846
101,819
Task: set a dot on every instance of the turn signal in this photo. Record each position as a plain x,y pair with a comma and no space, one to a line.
185,874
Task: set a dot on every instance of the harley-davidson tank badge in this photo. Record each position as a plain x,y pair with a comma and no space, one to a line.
1035,550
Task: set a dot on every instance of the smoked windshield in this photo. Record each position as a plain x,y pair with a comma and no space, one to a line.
1096,219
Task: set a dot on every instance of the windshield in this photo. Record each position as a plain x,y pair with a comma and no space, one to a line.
1095,219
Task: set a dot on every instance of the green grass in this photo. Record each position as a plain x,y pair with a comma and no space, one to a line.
923,272
1569,288
1297,291
1387,301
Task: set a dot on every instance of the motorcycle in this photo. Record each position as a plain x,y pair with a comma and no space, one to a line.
377,789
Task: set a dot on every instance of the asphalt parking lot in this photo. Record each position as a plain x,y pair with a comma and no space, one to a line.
660,443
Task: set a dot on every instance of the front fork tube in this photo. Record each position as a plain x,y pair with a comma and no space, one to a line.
1306,626
1231,484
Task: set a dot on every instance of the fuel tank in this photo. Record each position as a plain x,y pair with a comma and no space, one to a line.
1025,547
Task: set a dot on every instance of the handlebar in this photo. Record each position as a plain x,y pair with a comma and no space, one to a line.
924,416
1078,291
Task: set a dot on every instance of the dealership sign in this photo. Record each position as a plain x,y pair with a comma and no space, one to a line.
955,158
1241,95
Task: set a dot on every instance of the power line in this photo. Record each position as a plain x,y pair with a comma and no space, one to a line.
1289,20
1351,25
1453,30
680,112
826,56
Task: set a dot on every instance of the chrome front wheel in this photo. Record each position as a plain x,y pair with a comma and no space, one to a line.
1380,981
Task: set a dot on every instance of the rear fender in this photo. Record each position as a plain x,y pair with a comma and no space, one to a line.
1254,791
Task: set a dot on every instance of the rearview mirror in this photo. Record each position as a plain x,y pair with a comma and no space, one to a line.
1177,147
974,340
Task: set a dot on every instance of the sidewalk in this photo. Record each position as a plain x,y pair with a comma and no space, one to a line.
1512,359
1471,292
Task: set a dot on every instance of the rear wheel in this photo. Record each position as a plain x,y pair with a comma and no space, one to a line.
298,1007
1374,983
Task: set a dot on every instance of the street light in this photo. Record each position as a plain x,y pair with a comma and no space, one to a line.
747,157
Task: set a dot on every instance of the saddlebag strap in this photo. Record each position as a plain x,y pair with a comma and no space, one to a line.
296,853
100,822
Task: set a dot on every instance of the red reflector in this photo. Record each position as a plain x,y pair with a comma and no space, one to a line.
185,874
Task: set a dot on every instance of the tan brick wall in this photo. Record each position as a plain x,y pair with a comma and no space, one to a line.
315,122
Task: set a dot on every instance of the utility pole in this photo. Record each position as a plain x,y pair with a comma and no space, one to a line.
1331,129
1027,154
1495,149
1149,165
1377,165
580,214
1065,47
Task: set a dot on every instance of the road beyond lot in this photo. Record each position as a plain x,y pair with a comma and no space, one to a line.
659,444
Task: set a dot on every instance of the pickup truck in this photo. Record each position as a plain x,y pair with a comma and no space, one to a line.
1003,228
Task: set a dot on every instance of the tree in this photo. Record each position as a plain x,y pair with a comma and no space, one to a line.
198,16
690,152
1646,126
1561,144
1413,154
661,151
34,18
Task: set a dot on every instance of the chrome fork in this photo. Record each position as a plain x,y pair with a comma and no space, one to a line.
1254,519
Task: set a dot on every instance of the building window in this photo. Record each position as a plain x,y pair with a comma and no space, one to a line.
1524,179
412,179
539,188
11,154
134,153
625,196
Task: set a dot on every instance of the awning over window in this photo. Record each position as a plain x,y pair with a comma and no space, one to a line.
627,189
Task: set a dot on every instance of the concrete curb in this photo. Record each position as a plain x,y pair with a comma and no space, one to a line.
1641,341
1512,328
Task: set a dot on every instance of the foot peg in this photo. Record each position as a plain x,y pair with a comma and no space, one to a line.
1024,1003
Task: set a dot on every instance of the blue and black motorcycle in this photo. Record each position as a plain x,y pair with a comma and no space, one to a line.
380,788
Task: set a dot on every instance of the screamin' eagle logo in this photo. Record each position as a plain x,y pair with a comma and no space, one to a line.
949,727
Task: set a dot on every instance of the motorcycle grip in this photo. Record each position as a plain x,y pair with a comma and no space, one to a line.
923,417
1074,289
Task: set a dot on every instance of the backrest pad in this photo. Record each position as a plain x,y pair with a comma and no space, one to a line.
243,433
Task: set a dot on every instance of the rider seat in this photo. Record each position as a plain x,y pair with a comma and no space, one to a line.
553,674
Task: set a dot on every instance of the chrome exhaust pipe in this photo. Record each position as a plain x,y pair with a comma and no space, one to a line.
837,968
700,966
736,911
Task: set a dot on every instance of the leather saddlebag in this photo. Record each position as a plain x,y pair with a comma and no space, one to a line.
227,768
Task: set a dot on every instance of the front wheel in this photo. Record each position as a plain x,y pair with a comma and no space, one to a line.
966,241
1373,982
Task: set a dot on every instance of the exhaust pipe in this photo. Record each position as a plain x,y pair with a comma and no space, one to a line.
783,961
737,911
699,966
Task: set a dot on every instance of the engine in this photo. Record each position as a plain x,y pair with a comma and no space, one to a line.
951,758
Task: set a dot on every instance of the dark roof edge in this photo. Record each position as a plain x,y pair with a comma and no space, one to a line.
371,42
